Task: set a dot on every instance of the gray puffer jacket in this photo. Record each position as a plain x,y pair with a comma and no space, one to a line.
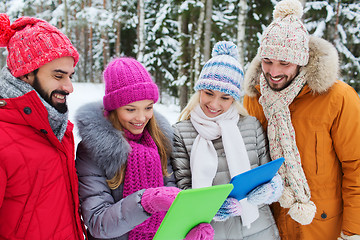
100,154
264,227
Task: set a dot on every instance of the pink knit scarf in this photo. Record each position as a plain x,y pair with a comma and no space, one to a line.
143,170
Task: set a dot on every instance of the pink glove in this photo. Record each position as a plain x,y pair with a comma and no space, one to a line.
158,199
203,231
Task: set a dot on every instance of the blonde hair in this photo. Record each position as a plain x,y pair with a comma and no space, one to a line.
195,100
162,142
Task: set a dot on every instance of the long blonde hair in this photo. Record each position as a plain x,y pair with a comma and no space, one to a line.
195,100
162,142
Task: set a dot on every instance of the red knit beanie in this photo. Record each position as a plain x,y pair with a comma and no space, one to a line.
31,43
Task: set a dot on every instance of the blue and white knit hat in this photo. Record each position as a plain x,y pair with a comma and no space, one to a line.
223,72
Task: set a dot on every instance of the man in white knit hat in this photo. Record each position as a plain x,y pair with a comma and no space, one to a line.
313,120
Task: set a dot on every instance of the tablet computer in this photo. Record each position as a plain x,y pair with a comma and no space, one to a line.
247,181
191,207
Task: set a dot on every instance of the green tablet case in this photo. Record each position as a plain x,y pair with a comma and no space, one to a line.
191,207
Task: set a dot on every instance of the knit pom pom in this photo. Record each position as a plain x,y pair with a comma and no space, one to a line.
287,198
225,48
22,22
5,31
303,213
288,7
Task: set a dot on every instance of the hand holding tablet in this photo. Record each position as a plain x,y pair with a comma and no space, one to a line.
247,181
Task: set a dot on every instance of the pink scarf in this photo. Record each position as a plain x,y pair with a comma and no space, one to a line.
143,170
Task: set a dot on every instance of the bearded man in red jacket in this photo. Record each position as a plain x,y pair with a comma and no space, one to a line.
38,182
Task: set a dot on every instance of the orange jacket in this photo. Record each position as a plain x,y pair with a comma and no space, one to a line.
326,119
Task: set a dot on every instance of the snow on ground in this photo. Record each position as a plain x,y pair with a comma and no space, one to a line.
91,92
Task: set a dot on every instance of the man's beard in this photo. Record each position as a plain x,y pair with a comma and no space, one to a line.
267,76
60,107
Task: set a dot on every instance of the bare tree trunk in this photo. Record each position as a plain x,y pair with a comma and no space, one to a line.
207,32
140,30
105,39
183,60
240,42
83,43
337,21
91,62
91,74
118,38
197,52
59,22
66,19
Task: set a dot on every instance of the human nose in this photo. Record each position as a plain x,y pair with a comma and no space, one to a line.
67,85
275,71
140,117
214,103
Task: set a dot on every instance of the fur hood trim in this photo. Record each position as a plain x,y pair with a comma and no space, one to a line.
321,72
107,145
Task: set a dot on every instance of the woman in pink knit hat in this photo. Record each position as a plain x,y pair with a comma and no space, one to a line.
125,179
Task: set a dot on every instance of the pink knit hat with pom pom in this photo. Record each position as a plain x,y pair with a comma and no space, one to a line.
127,81
286,38
31,43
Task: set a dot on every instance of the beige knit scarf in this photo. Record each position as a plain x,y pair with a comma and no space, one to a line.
281,134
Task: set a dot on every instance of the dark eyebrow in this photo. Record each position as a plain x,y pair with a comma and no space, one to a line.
61,71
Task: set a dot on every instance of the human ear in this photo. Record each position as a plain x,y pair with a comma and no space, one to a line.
28,78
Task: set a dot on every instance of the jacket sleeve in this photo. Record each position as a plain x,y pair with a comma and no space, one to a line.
346,135
180,160
3,182
104,217
169,181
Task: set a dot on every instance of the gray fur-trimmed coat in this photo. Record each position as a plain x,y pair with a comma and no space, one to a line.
257,147
100,154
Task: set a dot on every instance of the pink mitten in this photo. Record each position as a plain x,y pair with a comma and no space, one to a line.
203,231
158,199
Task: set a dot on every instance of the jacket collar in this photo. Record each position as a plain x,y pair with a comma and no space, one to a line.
321,72
12,87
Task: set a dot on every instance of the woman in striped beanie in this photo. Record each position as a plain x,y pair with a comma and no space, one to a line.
216,140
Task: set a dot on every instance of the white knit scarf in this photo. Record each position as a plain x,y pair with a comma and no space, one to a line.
204,159
281,134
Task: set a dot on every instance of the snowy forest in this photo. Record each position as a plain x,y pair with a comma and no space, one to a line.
174,38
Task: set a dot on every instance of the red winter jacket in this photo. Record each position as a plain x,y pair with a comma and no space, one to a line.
38,181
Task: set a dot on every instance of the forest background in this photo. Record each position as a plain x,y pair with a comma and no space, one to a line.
174,38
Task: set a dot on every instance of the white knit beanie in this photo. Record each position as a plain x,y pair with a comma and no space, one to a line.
286,38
